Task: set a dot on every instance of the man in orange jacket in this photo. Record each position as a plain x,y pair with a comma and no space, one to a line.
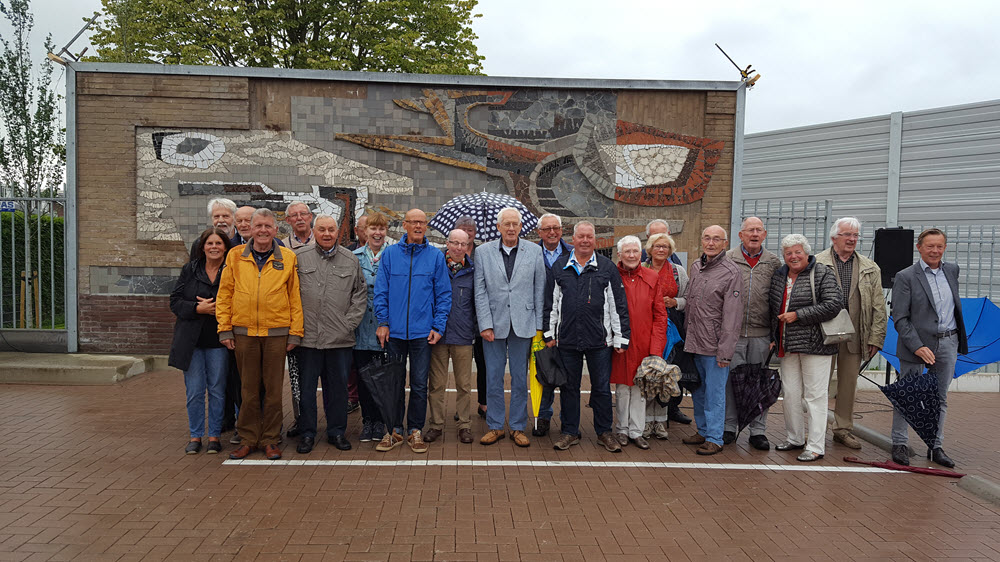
260,317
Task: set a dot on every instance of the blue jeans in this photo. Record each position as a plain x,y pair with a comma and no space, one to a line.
599,365
207,371
710,398
545,407
497,352
332,366
419,352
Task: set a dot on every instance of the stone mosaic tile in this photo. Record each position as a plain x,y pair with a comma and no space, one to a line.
132,280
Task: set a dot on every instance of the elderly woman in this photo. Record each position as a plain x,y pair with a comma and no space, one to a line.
803,294
196,349
648,321
366,346
673,281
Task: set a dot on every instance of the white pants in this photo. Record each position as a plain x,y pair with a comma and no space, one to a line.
805,379
631,409
655,412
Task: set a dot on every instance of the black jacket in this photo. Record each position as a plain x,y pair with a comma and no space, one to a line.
192,282
588,310
804,335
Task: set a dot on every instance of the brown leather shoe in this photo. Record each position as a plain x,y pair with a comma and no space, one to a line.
241,452
696,439
610,443
272,452
709,448
465,435
492,436
431,435
520,439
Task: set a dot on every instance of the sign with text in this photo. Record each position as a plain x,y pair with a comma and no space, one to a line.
7,207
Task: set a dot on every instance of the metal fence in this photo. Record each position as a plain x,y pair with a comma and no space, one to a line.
32,263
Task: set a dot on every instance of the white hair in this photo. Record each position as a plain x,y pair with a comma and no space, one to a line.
656,221
264,212
795,240
743,225
222,202
325,216
849,222
506,209
550,216
584,223
629,241
725,235
288,209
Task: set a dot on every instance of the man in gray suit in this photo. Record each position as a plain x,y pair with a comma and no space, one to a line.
927,313
510,280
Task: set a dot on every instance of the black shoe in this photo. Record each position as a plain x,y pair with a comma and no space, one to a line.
294,431
901,455
193,447
937,455
305,444
675,415
481,411
728,437
214,447
456,416
542,428
352,407
760,442
340,442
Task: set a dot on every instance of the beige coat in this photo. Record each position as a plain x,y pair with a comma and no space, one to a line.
756,285
873,314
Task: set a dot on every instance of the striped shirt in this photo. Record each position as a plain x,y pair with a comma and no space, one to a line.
844,270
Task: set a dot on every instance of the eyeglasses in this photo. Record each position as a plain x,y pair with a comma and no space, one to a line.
509,224
713,239
850,235
415,223
550,229
300,214
457,243
661,247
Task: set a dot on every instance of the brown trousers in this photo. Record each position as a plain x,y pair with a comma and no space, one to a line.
437,384
848,364
262,364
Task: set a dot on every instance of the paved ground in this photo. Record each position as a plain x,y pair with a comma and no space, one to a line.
99,473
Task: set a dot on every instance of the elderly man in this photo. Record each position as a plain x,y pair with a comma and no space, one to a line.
467,224
360,232
221,214
714,315
242,234
860,281
510,279
586,316
261,330
456,344
334,298
412,302
299,217
756,265
927,312
553,246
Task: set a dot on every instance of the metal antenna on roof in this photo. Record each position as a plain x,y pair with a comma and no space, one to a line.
744,72
57,57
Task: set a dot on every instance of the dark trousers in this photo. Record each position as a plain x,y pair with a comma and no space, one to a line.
369,411
599,365
419,352
332,366
480,358
262,366
233,398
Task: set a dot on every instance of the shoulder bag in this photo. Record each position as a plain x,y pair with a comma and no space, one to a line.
837,330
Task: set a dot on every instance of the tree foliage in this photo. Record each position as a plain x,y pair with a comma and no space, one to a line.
418,36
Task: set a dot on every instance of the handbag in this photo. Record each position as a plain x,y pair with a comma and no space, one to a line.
837,330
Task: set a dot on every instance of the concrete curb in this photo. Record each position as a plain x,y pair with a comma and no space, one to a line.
979,486
74,368
880,440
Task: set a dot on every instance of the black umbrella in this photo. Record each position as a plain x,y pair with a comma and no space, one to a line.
916,398
385,379
483,208
755,389
549,366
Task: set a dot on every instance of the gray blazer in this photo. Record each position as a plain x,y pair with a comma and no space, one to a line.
914,313
502,304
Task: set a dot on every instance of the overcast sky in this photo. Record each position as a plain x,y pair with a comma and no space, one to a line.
819,61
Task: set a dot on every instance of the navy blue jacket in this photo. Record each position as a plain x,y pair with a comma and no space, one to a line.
462,328
586,311
566,248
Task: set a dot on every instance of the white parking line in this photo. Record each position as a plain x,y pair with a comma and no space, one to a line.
567,464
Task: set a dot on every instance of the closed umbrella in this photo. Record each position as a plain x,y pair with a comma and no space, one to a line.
385,378
534,386
755,389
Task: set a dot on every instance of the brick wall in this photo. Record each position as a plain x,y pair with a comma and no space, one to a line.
129,324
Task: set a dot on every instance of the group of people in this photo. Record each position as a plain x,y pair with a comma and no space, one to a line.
250,298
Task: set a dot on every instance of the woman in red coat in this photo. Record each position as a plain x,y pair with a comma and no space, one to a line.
648,321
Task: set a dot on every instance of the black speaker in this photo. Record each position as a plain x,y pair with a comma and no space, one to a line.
893,252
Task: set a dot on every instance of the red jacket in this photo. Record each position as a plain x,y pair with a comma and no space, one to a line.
647,319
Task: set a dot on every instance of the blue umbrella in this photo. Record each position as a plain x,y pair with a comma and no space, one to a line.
982,326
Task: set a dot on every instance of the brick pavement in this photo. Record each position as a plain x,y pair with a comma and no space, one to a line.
99,473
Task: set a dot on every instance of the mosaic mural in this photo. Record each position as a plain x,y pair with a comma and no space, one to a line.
558,151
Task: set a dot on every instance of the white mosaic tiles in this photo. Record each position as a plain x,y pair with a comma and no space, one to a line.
639,165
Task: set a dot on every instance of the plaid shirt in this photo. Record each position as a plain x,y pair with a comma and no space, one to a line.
844,270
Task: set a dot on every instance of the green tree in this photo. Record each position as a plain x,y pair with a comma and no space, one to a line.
32,145
419,36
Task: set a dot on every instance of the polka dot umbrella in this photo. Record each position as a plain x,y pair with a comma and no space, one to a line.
483,208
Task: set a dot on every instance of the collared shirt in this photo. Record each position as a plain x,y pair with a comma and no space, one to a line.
844,270
552,255
261,257
944,302
301,241
752,260
326,253
576,265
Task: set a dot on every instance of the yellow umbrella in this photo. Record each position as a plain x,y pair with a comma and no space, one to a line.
535,387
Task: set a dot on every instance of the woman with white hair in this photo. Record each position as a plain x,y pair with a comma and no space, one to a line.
673,280
803,294
648,322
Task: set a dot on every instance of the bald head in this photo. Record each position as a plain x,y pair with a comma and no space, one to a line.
713,240
458,242
415,225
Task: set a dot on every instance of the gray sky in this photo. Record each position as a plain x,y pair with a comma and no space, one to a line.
818,62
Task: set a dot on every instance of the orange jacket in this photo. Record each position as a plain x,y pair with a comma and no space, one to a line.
262,302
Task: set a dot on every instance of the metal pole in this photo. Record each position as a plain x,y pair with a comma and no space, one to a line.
69,228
